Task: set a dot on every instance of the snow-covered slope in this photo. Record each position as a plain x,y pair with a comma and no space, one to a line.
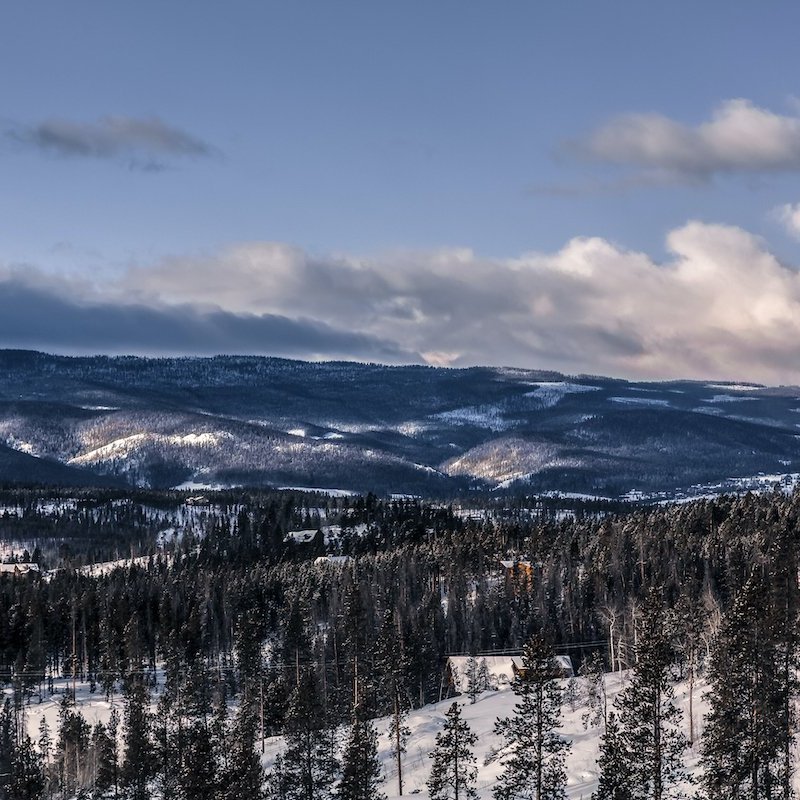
424,724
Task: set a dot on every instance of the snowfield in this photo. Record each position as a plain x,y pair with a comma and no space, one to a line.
550,393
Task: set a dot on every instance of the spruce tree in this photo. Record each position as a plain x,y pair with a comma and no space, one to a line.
390,666
309,766
473,688
244,777
453,771
535,754
615,779
137,762
276,786
103,749
742,749
361,770
649,719
26,780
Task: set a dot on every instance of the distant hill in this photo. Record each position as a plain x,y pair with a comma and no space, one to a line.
20,469
248,420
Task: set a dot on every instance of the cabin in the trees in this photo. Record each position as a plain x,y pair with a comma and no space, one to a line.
496,672
332,561
562,667
22,568
518,569
308,539
519,575
498,669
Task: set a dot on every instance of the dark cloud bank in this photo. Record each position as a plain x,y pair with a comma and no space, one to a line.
31,317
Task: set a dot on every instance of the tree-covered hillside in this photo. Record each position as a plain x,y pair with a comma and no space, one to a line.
248,421
228,622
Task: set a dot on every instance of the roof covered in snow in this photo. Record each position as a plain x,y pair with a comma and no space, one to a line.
22,568
301,537
501,669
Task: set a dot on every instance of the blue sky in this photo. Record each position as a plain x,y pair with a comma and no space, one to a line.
152,146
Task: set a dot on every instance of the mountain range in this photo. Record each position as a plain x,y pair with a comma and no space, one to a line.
229,420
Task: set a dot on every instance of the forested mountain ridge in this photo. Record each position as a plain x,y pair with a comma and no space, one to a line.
264,421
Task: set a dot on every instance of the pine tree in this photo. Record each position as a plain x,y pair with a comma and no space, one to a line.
103,749
72,746
615,781
244,777
137,762
742,742
651,742
26,781
593,672
309,766
45,740
453,771
361,770
275,787
689,622
113,736
390,666
197,769
484,678
534,764
168,735
473,688
398,736
784,559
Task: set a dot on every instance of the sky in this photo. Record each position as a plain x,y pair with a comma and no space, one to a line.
604,188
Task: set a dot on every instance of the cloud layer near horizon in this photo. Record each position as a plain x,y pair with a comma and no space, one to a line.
740,137
35,314
721,307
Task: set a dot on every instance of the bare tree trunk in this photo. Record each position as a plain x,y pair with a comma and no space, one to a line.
397,744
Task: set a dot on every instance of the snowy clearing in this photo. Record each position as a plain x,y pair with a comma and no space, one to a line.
424,724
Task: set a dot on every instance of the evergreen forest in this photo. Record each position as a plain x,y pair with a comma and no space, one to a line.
210,625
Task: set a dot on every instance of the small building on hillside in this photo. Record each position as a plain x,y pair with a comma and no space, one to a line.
308,538
562,665
332,561
498,669
495,672
516,568
22,568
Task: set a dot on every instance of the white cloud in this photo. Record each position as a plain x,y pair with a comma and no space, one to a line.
722,306
789,216
740,137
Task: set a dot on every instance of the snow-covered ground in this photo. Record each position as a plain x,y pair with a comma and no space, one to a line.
424,724
481,716
550,393
640,401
